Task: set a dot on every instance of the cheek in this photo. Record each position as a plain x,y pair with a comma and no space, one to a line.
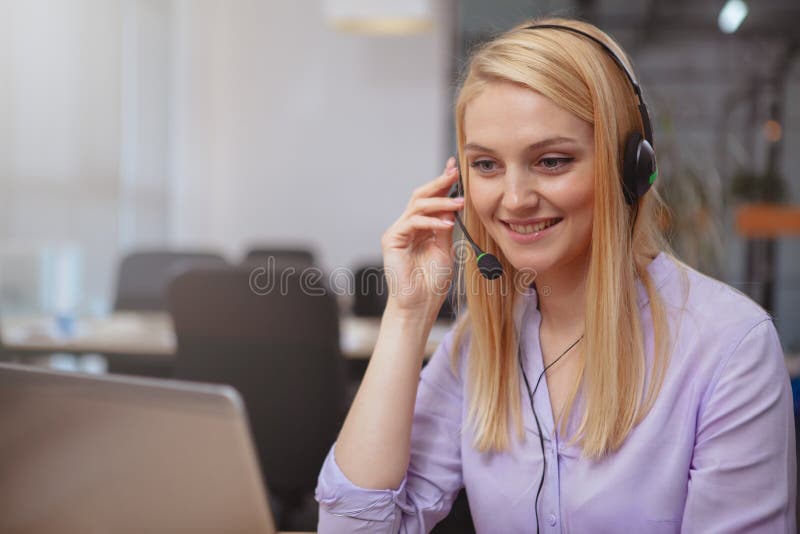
581,198
578,204
585,204
484,199
584,211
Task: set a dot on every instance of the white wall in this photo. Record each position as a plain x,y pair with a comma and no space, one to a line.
283,130
145,103
59,148
83,145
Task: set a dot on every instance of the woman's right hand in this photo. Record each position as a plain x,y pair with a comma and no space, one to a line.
417,248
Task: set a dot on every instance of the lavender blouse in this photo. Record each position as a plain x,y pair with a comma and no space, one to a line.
715,454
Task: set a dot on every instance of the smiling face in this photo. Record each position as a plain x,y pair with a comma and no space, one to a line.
531,164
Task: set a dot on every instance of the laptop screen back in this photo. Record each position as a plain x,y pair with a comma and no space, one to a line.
82,454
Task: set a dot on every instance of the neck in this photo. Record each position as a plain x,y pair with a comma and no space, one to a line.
561,295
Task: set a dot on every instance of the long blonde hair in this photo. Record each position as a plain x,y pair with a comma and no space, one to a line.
577,75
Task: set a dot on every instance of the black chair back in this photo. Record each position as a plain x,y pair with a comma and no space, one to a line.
280,350
297,257
144,276
371,294
370,291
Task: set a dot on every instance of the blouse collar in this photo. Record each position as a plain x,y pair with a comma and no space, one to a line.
660,268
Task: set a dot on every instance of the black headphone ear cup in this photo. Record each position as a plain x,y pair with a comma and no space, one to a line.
630,166
646,170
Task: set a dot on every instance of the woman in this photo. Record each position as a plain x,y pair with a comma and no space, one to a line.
621,391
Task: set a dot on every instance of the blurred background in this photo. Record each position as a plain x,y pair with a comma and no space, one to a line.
130,124
227,127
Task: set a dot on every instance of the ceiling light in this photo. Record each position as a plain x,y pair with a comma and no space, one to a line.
379,17
732,15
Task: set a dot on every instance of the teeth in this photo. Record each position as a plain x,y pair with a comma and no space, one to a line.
530,228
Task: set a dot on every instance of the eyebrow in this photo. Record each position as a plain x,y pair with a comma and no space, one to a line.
535,146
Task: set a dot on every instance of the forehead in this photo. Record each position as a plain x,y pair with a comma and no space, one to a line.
506,114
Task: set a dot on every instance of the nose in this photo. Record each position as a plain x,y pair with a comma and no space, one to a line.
520,193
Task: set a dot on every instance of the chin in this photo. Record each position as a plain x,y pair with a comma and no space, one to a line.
526,261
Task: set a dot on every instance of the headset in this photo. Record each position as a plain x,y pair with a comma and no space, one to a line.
639,170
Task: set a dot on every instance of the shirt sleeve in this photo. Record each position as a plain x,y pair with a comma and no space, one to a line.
743,473
433,479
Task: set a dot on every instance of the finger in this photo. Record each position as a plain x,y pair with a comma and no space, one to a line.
451,216
410,228
429,206
438,185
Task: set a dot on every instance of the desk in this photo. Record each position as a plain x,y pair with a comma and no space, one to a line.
151,336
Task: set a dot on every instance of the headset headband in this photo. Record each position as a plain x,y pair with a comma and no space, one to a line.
648,131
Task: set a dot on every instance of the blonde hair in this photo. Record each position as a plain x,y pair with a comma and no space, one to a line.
579,76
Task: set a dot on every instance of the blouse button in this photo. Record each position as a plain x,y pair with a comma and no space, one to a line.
552,520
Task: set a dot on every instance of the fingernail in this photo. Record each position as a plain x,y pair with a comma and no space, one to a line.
452,171
450,162
458,200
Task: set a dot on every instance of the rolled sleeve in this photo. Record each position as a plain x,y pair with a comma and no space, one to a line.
345,507
743,472
433,478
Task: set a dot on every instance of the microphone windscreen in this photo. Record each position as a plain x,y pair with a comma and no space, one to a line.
489,266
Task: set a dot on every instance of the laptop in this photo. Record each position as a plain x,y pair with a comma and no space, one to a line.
105,454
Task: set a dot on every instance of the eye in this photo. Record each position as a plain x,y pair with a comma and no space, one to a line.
554,164
484,165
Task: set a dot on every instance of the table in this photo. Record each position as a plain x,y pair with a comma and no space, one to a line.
151,335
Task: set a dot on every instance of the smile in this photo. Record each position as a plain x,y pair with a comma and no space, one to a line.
528,233
531,228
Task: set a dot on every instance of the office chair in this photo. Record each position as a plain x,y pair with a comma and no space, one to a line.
371,293
296,256
143,276
281,351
